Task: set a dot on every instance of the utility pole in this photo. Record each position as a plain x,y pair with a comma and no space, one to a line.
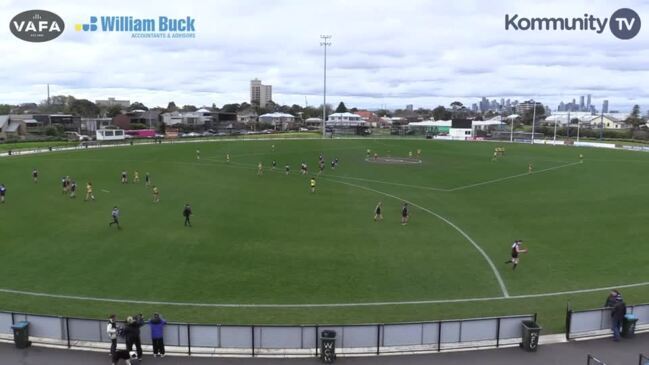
533,119
325,42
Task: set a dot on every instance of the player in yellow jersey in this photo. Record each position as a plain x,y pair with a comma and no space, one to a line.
136,177
260,169
312,184
530,167
89,194
156,195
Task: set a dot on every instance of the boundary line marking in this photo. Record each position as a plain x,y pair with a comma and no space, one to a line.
448,190
316,305
501,283
511,177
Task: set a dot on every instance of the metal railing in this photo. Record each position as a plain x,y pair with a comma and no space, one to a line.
284,340
596,322
592,360
643,360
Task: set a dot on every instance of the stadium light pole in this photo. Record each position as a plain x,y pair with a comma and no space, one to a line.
325,43
533,118
511,134
578,125
554,140
601,125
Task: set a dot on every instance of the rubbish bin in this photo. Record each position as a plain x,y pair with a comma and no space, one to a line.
21,334
328,346
530,336
628,325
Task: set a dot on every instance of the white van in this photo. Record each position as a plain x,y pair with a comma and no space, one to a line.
110,134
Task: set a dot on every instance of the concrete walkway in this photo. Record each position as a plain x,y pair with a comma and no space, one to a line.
624,352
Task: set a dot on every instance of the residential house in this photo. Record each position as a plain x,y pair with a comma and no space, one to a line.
247,116
11,129
90,125
345,120
313,123
369,117
281,121
608,121
149,118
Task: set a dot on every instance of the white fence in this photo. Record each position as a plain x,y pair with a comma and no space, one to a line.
268,340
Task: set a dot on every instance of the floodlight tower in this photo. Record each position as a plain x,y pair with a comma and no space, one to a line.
325,43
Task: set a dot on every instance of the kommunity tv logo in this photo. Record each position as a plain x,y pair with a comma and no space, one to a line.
623,23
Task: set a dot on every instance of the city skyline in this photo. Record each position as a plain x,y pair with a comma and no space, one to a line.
375,60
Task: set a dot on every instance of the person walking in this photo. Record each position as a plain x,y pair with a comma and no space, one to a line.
3,192
115,215
111,329
187,212
157,324
378,215
156,195
89,194
312,183
405,214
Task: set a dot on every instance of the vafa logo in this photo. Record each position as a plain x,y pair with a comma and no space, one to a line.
36,26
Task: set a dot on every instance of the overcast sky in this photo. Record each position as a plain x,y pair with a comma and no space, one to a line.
389,53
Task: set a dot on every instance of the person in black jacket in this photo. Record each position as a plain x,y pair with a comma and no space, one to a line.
132,334
618,311
187,212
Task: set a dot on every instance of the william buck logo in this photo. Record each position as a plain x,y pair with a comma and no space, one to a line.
37,25
623,23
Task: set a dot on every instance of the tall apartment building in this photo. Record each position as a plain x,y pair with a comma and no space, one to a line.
260,94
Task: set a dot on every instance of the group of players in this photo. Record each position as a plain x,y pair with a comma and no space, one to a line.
69,187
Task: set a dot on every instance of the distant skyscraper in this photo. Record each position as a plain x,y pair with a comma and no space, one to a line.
409,107
474,108
484,104
561,107
605,106
581,103
260,94
588,102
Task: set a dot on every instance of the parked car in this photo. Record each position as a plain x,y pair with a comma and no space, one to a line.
74,136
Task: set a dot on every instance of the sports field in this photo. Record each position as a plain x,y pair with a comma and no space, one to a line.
267,240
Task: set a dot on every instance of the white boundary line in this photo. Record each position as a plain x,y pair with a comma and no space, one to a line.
307,305
459,187
512,177
501,283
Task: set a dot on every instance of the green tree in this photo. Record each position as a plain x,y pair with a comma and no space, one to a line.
84,108
529,114
230,108
137,106
113,111
341,108
440,113
634,118
5,109
189,108
171,107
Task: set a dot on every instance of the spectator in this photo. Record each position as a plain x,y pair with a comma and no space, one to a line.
618,311
132,334
613,297
157,325
111,329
